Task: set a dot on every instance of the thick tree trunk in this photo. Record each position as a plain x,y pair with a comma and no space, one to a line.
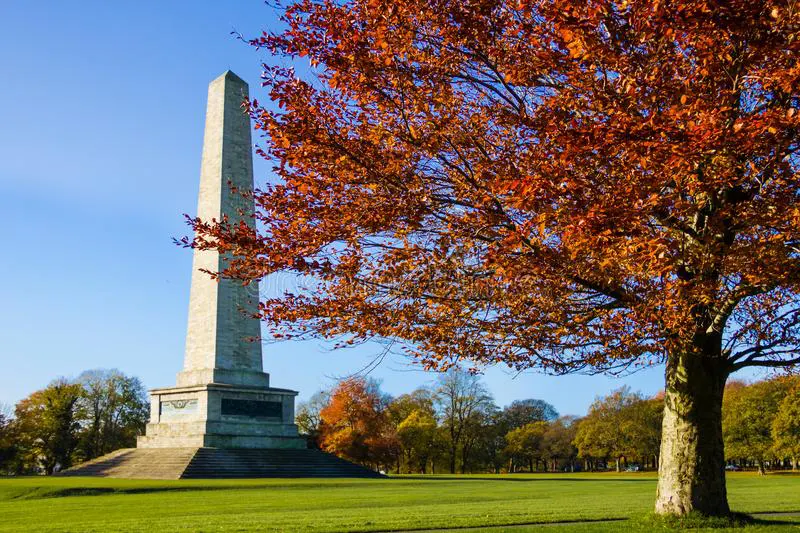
691,473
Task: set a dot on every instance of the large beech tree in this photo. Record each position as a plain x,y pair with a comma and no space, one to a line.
557,184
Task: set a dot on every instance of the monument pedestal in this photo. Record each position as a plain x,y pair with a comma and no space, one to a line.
220,415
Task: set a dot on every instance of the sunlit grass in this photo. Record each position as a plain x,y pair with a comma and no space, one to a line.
404,502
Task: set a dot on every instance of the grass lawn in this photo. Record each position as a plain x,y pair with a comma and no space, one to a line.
400,503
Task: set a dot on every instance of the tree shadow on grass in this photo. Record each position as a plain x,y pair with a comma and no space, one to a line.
452,477
733,521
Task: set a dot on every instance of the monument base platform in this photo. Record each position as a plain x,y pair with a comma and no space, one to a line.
221,415
208,440
207,463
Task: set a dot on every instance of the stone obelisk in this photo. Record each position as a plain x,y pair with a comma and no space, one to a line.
222,398
221,313
222,419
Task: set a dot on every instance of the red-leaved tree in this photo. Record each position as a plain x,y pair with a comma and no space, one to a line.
557,184
355,424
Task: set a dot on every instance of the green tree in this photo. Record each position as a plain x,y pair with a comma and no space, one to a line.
8,447
308,418
47,424
414,417
557,443
643,427
114,410
421,399
607,431
592,441
460,398
490,448
518,414
522,412
478,437
786,427
417,434
747,418
527,442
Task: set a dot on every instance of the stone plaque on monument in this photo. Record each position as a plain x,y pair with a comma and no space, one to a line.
176,408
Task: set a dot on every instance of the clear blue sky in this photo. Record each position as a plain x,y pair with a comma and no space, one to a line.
101,125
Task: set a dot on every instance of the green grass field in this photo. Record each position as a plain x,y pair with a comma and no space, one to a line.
396,504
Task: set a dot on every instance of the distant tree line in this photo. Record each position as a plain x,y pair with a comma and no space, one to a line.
455,426
623,428
70,421
761,423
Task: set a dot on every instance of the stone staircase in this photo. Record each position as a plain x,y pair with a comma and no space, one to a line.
253,463
207,463
140,463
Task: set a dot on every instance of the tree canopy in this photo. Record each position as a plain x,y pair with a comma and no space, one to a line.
561,185
543,184
114,410
786,426
622,424
46,424
354,423
73,420
750,413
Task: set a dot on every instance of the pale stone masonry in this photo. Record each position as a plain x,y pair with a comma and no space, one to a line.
223,398
220,313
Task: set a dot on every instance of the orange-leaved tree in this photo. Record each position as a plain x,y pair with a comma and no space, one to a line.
355,424
564,184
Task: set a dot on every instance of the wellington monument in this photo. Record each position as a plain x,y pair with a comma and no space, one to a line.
222,419
223,398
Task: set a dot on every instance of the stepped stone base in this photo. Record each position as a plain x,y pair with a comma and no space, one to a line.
141,463
200,463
